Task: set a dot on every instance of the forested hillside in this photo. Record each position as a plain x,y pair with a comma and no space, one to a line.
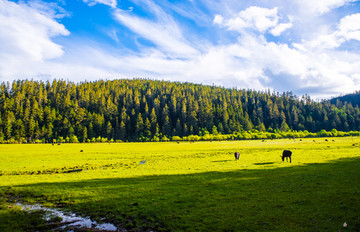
353,98
139,109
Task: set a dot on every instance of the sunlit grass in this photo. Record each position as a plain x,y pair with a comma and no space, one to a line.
193,186
139,159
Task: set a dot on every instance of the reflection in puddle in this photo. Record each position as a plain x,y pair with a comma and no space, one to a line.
69,219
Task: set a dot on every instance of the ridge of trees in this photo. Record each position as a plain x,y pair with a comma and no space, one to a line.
353,98
141,110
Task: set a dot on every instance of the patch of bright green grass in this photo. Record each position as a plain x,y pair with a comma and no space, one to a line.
193,187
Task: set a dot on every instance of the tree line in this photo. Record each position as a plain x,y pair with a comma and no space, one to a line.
141,110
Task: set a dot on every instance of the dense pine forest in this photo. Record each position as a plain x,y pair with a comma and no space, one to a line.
141,110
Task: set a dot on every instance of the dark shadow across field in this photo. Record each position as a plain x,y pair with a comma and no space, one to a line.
313,197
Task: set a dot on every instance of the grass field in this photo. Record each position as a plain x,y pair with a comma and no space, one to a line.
187,186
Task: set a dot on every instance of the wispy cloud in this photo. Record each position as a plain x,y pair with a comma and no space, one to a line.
164,32
54,10
322,6
111,3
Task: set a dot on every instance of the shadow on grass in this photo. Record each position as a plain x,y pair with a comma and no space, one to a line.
313,197
267,163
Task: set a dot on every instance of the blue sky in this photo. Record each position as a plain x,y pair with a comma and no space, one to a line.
304,46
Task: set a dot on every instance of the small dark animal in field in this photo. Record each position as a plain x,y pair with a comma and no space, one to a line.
286,154
177,142
263,140
314,141
300,139
326,140
59,144
81,150
237,155
333,140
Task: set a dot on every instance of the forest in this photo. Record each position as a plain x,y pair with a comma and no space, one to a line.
149,110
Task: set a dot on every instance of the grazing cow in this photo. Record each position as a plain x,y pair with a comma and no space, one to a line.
286,154
237,155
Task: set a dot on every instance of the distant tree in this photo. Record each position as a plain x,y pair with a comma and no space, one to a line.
284,126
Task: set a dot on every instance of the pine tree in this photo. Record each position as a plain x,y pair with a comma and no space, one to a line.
147,128
153,121
139,126
284,126
84,134
122,131
109,130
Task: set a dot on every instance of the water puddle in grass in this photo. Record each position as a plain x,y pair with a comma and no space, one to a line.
69,220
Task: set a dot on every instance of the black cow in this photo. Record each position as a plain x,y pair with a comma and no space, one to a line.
237,155
286,154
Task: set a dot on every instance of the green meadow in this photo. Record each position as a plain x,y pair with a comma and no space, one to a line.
187,186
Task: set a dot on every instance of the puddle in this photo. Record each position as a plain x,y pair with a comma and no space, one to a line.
70,220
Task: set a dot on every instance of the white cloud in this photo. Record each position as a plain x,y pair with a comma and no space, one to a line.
349,27
258,18
314,66
111,3
218,19
280,28
26,34
255,18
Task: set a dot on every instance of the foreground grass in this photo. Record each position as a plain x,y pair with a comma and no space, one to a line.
189,187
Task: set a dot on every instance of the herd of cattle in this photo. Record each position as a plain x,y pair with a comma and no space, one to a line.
286,154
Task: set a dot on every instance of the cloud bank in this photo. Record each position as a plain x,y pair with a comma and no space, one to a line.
248,46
